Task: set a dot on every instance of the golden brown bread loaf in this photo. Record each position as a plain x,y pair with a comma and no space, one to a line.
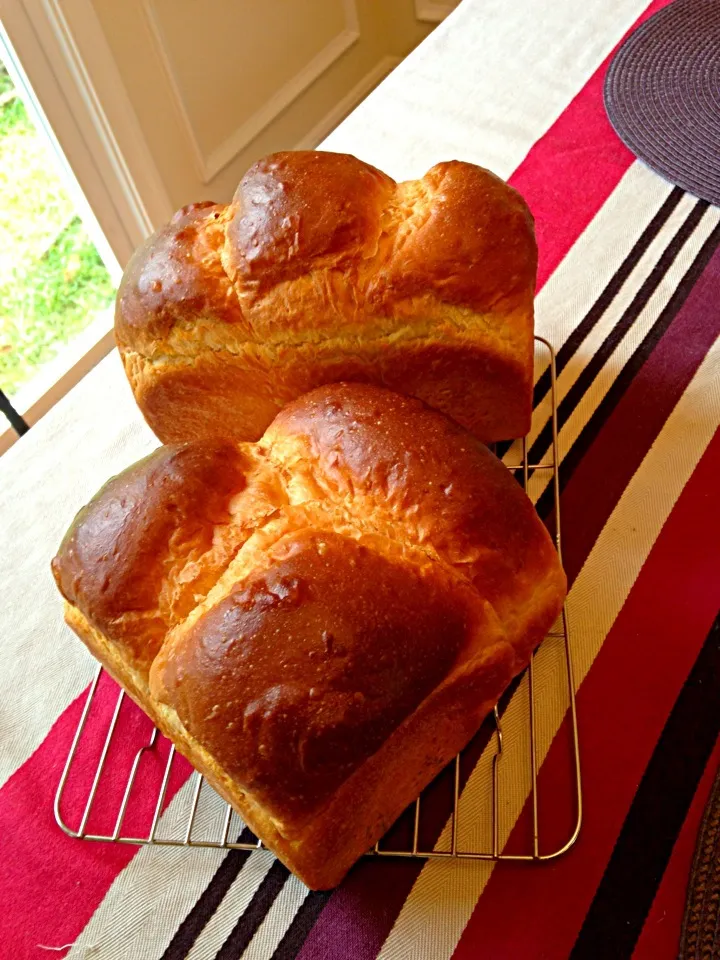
321,620
323,269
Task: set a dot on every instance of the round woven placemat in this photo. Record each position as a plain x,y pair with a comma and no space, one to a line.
700,938
662,95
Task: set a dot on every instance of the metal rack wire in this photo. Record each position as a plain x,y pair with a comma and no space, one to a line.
443,838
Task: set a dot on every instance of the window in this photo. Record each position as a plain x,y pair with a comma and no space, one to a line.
56,292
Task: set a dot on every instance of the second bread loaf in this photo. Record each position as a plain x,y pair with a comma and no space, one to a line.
323,269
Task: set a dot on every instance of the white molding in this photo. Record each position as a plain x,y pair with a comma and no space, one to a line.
208,166
348,103
246,132
111,110
433,11
176,96
56,43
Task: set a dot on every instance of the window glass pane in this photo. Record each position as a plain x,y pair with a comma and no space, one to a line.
56,294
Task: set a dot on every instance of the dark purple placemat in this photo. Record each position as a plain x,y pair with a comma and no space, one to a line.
662,95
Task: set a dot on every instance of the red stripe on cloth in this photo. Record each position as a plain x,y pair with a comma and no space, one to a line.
661,932
51,884
571,171
622,707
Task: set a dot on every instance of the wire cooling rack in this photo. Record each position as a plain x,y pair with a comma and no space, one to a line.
120,775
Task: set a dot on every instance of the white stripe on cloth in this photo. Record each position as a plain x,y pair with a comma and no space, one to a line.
278,919
514,70
562,304
149,898
444,895
587,269
233,906
632,339
44,480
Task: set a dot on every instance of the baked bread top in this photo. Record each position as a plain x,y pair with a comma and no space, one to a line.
318,243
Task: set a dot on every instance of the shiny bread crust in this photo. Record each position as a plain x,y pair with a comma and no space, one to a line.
323,269
324,630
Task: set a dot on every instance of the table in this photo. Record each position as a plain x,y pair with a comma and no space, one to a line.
629,290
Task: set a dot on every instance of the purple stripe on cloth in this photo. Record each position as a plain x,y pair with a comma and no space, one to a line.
359,914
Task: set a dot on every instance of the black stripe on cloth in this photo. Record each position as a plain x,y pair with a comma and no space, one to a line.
254,914
623,380
302,923
625,322
626,892
613,287
208,902
597,310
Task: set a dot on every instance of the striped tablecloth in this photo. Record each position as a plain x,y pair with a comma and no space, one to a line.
629,295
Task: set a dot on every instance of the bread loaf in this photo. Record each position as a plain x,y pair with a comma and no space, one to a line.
323,269
321,620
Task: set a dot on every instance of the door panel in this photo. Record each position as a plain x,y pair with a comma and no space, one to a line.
248,72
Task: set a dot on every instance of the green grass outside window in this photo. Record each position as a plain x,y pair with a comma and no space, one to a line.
53,283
